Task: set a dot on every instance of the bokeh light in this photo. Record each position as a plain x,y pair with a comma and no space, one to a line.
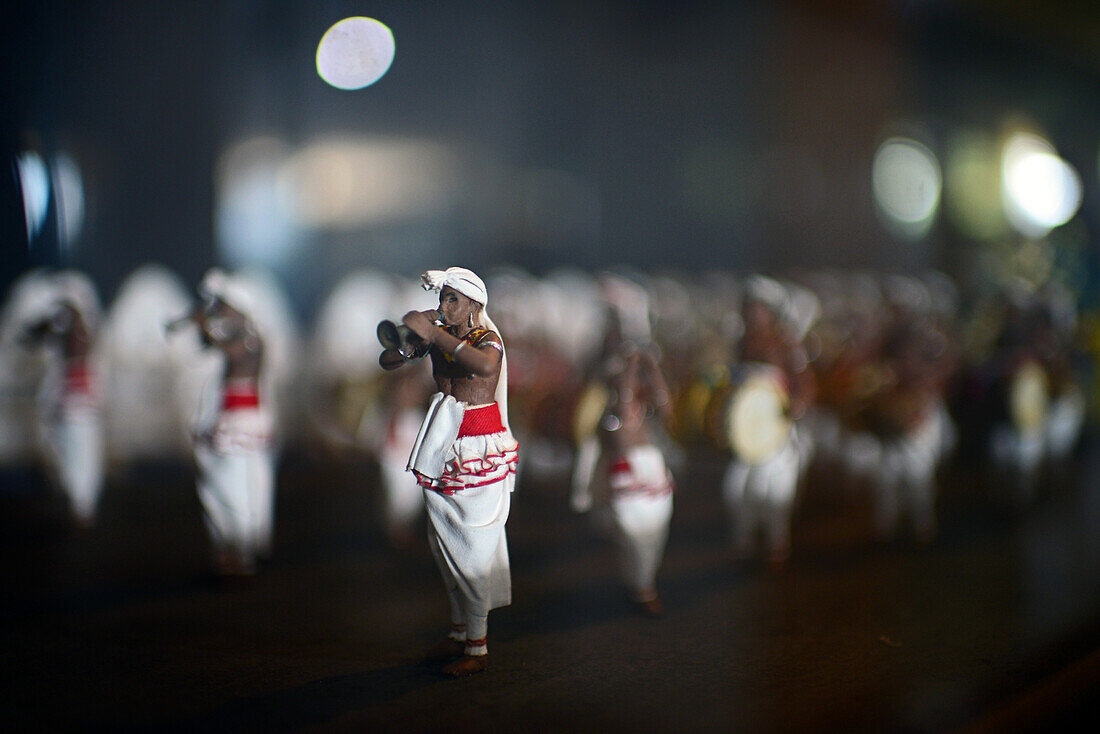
972,186
34,180
906,181
355,53
251,220
348,183
1041,191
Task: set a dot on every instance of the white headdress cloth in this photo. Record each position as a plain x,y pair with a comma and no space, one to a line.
219,284
470,285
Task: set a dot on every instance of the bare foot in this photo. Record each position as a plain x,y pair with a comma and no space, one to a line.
467,665
652,607
444,651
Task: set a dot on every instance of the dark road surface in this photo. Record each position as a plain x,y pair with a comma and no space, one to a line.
995,626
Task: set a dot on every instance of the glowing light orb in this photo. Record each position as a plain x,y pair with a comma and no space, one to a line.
34,179
906,181
1041,191
355,53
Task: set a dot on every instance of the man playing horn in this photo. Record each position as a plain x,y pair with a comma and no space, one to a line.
233,431
465,458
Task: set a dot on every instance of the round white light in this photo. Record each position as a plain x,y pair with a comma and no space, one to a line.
906,181
355,53
1041,191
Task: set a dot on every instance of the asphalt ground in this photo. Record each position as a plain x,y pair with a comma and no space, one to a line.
994,626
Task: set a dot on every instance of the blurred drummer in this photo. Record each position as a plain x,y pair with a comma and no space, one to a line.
759,485
907,415
630,480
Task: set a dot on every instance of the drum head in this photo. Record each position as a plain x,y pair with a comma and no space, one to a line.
757,422
1029,397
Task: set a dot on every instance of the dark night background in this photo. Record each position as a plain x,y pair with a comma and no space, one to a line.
679,136
694,134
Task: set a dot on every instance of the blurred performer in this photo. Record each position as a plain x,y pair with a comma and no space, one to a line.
233,431
465,458
639,485
402,412
1042,409
358,408
145,368
71,404
21,368
908,417
631,481
404,499
773,387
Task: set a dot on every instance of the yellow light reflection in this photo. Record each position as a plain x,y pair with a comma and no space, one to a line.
346,184
973,185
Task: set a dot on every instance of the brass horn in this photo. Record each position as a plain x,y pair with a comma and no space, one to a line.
401,339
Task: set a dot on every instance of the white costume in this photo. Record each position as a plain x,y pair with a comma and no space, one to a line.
145,368
404,500
234,456
70,401
73,433
638,483
759,490
465,458
905,474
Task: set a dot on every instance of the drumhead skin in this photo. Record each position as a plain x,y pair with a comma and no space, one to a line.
1029,397
757,422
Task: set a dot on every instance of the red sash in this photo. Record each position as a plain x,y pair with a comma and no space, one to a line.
238,397
78,378
481,421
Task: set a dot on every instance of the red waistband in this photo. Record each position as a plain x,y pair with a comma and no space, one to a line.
481,421
242,396
619,466
78,378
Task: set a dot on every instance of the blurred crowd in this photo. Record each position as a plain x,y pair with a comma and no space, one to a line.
867,379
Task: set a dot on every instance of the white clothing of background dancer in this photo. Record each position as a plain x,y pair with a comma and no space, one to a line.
465,458
620,466
233,431
70,398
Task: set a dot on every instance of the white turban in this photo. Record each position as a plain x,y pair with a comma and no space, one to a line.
462,280
219,284
470,285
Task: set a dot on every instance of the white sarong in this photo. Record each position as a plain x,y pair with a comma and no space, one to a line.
467,492
236,481
641,505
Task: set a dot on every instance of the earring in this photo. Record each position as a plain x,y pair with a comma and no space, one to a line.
470,320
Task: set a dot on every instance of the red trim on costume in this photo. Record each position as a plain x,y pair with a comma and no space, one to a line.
78,378
239,397
477,643
621,466
481,421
